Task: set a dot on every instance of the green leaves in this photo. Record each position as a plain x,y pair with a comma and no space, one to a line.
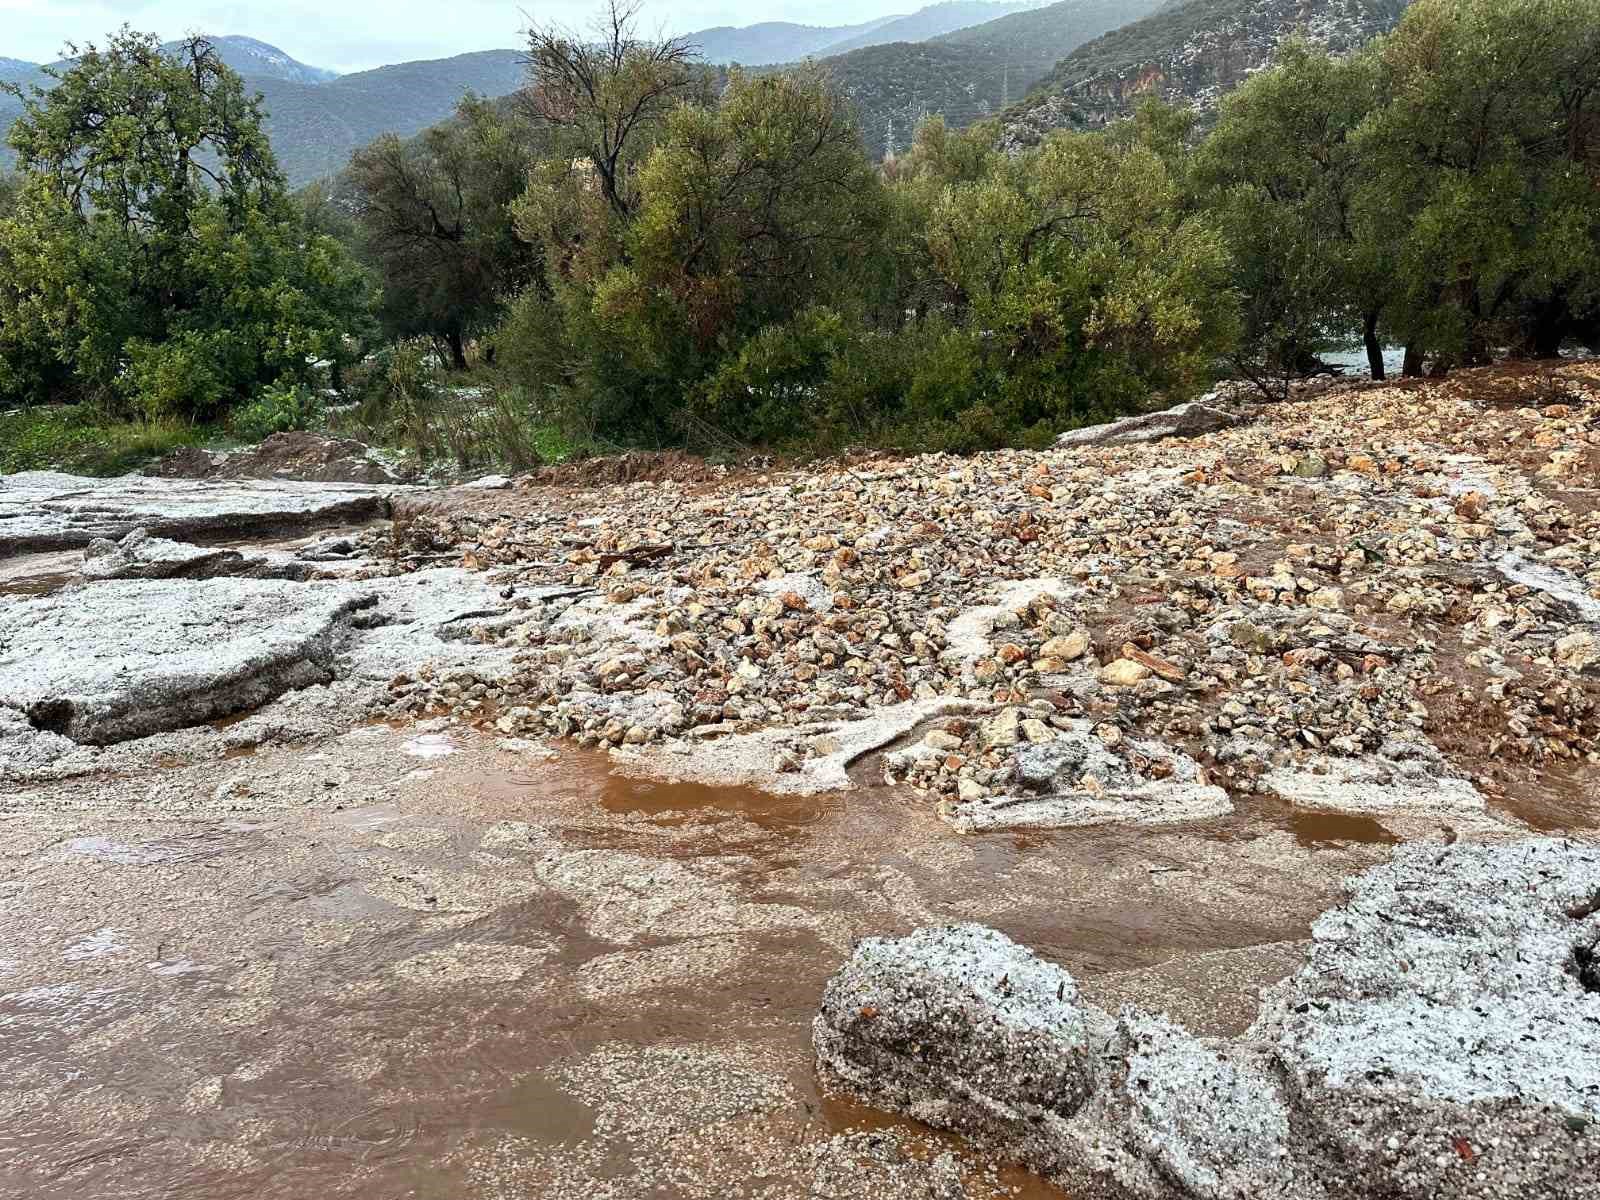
151,260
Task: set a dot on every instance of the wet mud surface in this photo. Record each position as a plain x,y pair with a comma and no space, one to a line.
403,964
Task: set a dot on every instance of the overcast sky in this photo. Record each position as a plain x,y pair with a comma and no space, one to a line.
352,35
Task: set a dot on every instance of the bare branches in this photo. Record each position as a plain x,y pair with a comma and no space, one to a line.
606,91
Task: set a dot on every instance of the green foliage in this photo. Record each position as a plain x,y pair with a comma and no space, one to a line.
76,440
1484,145
1081,284
152,261
279,409
434,220
407,402
1438,189
1289,174
760,283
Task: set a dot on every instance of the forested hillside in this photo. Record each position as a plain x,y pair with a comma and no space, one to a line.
1192,52
971,74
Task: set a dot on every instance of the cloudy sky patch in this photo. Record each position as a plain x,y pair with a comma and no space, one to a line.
352,35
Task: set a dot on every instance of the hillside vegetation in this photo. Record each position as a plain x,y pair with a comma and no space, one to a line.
641,251
1192,52
971,74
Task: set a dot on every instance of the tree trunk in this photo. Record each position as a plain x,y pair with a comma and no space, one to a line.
458,349
1549,326
1369,334
1412,367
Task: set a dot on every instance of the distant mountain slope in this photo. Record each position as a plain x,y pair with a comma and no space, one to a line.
931,22
773,41
1192,53
972,74
256,60
315,125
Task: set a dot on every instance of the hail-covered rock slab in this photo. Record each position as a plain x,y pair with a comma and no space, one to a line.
47,510
1441,1041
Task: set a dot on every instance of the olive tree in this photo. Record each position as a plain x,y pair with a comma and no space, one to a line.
153,256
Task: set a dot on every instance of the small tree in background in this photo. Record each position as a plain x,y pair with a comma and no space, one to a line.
606,91
152,258
435,218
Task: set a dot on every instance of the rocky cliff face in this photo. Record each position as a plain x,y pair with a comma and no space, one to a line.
1191,53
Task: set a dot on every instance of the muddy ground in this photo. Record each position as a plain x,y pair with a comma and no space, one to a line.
412,933
402,964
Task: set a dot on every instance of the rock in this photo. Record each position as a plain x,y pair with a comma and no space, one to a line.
1311,466
1069,648
1002,730
1037,731
42,510
1328,599
1577,650
123,660
750,759
1186,420
910,1023
1443,1004
1073,777
140,556
1123,673
1406,777
1439,1042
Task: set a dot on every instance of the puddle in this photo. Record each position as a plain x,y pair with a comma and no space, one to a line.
622,795
39,574
185,849
431,745
1317,830
1550,798
386,1015
536,1108
34,585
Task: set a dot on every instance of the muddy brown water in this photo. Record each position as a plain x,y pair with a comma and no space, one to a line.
315,999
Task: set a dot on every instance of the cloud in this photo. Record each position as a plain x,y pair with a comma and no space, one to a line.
352,35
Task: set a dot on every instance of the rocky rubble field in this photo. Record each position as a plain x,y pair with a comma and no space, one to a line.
1376,599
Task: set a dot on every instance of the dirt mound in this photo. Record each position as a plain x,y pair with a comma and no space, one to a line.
644,465
187,462
309,458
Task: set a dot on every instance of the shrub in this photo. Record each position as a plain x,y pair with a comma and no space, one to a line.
279,409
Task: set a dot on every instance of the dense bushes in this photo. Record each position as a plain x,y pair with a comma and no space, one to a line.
649,253
752,279
1437,190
